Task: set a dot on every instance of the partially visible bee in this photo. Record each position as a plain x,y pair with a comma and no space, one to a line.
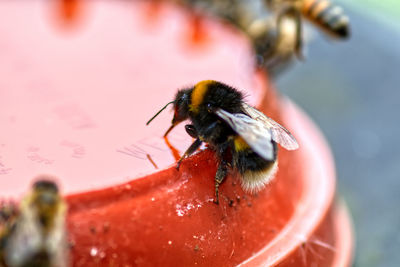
276,42
242,137
8,215
326,16
37,236
8,211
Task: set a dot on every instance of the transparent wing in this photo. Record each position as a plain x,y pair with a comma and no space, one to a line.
25,241
56,242
279,133
256,135
28,238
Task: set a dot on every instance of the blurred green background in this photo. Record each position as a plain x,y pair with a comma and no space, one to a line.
352,91
378,8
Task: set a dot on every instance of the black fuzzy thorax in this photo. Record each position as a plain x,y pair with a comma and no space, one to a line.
209,126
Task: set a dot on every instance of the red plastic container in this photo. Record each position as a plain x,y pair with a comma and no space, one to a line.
74,104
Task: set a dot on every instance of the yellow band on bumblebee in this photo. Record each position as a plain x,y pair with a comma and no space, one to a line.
198,94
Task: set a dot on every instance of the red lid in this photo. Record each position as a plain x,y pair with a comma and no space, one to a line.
74,103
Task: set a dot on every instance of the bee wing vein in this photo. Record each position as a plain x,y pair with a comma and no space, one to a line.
279,133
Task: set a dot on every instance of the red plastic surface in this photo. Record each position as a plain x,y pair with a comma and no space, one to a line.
74,104
171,214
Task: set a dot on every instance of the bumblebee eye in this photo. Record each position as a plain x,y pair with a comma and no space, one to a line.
209,107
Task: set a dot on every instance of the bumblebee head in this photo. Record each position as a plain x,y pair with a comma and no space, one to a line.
181,108
45,198
45,185
45,194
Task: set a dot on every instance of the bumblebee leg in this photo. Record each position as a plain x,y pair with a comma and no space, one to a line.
219,178
193,147
222,167
191,130
299,36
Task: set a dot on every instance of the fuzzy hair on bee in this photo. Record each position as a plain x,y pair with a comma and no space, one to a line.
242,137
37,235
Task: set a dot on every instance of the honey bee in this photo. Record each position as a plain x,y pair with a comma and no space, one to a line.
276,43
242,137
326,16
37,235
8,214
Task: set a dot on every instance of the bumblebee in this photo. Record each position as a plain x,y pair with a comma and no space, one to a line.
8,215
242,137
326,16
37,235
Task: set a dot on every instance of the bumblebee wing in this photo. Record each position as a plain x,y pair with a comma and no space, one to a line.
56,242
25,240
256,135
282,136
279,133
28,238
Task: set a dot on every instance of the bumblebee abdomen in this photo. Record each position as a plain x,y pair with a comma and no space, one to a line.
254,175
328,17
239,144
255,171
245,159
254,181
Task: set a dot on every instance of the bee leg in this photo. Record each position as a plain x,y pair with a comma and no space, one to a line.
193,147
222,168
292,12
299,36
219,178
191,130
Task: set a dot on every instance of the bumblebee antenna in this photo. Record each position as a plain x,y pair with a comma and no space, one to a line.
159,112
